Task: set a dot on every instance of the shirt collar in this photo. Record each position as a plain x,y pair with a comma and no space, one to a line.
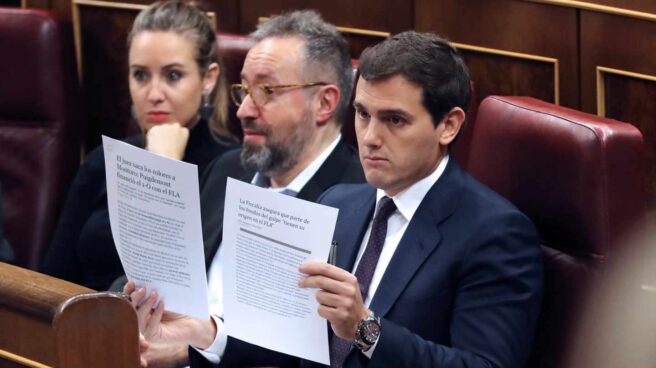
304,176
409,199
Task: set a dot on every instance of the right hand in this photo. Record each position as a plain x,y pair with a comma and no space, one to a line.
169,140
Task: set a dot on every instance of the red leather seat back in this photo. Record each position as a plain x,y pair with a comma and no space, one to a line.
39,137
579,177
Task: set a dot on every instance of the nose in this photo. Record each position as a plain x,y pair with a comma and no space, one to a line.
155,93
369,134
247,109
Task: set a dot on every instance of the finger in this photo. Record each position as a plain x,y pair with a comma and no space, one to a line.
144,311
330,300
329,285
136,297
129,287
143,343
143,347
325,269
334,315
153,323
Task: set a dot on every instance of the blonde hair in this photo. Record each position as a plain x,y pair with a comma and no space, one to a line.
186,19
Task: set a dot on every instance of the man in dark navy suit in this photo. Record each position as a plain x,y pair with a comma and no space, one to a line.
433,269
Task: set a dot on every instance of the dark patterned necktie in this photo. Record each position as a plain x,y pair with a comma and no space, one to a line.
339,348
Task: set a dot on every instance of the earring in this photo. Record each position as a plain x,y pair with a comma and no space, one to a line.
206,110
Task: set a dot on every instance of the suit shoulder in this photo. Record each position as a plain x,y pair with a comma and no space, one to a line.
492,213
229,160
225,165
341,194
481,195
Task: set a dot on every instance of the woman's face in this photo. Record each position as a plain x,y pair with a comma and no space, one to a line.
165,83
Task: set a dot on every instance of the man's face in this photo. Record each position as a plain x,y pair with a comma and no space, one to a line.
275,133
399,144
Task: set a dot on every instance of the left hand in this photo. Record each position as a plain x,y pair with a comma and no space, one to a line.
339,296
165,327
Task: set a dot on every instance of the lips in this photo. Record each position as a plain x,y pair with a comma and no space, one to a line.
158,116
253,132
254,136
374,160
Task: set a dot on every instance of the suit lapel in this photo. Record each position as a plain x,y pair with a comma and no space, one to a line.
351,227
420,239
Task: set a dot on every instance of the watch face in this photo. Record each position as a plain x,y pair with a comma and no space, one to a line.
370,331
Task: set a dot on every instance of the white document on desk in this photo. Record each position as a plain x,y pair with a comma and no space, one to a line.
154,213
266,237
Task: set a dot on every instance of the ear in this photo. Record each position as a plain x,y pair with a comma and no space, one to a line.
211,77
326,102
452,123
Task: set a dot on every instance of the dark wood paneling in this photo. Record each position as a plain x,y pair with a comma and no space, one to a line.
631,100
505,75
627,44
387,16
227,11
648,6
517,26
357,43
105,77
615,42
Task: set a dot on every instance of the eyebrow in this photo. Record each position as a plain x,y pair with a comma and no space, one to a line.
167,66
260,77
385,112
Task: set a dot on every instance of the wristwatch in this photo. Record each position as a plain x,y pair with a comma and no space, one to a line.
367,332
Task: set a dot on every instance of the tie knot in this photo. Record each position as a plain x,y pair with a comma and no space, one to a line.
385,208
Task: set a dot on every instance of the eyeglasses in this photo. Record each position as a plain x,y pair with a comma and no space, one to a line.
260,93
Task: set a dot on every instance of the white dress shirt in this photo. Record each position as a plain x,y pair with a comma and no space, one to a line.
215,275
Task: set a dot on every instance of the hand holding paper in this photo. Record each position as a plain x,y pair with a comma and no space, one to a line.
154,213
267,237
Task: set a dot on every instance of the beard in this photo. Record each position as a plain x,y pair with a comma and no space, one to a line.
280,152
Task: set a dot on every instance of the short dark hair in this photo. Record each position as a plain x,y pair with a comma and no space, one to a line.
426,60
325,49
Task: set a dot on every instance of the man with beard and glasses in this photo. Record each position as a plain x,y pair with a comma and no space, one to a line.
434,269
296,85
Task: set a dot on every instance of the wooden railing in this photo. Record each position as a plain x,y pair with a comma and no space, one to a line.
47,322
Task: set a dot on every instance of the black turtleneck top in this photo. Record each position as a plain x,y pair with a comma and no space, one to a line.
82,249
